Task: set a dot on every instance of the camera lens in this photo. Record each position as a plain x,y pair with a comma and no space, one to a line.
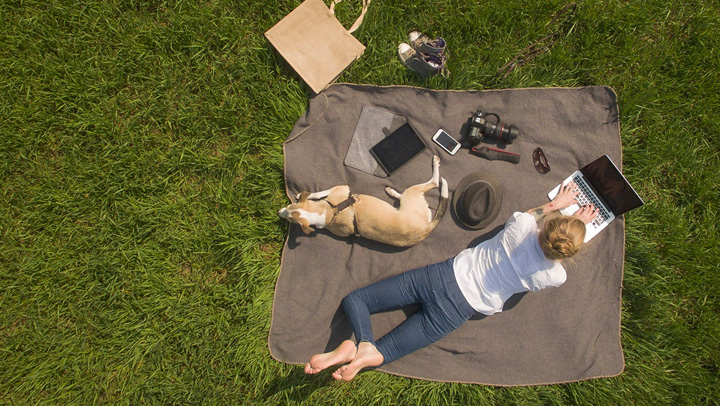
500,132
507,134
512,133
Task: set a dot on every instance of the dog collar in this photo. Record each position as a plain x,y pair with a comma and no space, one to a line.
352,199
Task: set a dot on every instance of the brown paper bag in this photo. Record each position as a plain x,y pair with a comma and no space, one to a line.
315,44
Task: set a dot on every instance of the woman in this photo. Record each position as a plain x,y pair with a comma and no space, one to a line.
519,258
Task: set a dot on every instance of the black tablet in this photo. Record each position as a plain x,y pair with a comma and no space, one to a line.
398,148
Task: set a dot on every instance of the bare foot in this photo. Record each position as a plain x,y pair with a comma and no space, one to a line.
345,352
367,356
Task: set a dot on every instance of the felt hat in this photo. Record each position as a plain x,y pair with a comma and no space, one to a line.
476,200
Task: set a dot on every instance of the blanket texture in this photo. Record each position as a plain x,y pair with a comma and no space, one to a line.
563,334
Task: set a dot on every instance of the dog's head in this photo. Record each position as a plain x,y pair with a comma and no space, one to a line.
299,213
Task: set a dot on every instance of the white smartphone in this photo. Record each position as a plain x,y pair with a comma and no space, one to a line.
446,142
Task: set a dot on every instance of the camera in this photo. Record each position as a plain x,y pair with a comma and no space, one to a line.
480,128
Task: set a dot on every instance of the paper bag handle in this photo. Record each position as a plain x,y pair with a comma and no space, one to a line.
359,20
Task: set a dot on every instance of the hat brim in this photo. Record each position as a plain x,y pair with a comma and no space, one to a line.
462,187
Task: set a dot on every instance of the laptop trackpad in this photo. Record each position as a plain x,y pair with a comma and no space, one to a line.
570,210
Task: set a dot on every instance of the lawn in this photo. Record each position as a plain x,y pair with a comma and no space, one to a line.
141,170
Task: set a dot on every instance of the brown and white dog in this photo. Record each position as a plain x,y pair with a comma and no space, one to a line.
345,214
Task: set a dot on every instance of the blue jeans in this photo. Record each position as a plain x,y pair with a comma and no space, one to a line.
434,287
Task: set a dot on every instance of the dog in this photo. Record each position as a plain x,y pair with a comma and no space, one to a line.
345,214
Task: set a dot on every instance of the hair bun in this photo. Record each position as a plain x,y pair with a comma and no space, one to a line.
562,237
563,245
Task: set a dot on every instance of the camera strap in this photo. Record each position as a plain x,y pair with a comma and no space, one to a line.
539,47
494,154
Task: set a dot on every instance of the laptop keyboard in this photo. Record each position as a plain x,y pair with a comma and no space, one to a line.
587,197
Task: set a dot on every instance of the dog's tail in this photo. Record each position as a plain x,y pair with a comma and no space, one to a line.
442,203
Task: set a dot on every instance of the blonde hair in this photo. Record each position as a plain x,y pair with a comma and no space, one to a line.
561,237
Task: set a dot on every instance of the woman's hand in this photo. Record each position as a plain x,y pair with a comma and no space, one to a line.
565,197
587,213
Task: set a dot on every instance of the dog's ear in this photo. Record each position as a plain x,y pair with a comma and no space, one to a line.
303,197
304,224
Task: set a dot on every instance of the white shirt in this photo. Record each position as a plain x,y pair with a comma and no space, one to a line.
510,262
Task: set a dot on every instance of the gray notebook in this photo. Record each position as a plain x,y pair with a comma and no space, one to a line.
373,126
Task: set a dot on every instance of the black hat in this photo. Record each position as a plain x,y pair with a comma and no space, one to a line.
477,200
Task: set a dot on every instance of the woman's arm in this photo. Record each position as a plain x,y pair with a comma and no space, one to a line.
565,197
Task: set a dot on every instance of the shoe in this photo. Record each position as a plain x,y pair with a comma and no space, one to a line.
423,65
423,44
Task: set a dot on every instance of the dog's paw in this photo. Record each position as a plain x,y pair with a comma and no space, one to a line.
392,192
436,160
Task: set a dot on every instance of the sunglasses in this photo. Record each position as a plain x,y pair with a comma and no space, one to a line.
540,162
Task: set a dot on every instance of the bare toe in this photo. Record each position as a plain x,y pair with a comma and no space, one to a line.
345,352
367,356
338,375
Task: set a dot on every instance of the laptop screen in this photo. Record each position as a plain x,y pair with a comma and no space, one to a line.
611,185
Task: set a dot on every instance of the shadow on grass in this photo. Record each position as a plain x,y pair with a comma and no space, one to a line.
296,385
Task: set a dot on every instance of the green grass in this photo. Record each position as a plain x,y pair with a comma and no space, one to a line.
141,169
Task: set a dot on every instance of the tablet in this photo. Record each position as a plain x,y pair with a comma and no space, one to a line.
398,148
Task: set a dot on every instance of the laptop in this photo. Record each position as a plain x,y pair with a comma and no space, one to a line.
601,184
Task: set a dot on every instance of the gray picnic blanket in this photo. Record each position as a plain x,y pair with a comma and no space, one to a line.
562,334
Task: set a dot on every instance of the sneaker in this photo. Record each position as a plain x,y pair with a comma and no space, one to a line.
423,65
423,44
